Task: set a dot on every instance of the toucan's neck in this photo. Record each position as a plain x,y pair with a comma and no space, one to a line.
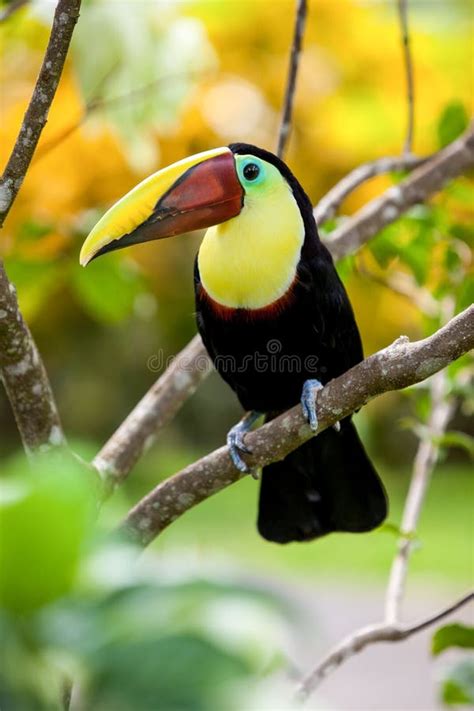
250,261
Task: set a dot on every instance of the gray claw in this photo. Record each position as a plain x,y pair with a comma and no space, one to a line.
235,442
308,402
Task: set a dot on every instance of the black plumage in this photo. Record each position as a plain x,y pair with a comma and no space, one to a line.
266,355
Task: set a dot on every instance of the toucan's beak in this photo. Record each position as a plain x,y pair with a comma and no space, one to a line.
193,194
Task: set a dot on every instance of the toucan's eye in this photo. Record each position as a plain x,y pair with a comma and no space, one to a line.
251,171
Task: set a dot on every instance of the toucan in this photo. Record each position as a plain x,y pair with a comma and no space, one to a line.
275,319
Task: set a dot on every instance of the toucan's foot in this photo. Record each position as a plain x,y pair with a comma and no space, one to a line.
236,444
308,402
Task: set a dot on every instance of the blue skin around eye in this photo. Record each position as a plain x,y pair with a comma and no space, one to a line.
258,179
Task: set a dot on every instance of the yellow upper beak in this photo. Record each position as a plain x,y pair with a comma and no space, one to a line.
168,202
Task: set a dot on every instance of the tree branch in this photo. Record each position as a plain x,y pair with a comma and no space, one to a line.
366,636
24,376
425,181
425,461
398,366
300,19
65,18
405,37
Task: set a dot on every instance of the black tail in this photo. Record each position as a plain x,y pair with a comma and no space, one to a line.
328,484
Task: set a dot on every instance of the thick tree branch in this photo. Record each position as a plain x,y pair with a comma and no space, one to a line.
366,636
398,366
300,19
455,159
426,180
65,18
24,376
138,432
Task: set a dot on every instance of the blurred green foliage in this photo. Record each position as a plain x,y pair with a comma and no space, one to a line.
457,687
454,635
77,609
46,511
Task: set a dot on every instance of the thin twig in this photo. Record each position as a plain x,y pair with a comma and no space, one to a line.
405,36
65,18
12,8
398,366
372,634
442,409
425,460
328,206
300,18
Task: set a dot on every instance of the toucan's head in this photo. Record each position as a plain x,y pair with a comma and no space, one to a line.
202,191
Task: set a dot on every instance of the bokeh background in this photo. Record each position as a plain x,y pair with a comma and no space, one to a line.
147,83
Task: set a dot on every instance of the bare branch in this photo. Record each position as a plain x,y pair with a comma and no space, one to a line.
328,206
442,409
372,634
24,376
405,36
300,19
65,18
398,366
138,432
425,181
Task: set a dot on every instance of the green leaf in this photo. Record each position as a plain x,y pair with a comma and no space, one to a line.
108,288
465,296
454,635
148,674
345,267
452,122
458,687
461,440
394,530
45,514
